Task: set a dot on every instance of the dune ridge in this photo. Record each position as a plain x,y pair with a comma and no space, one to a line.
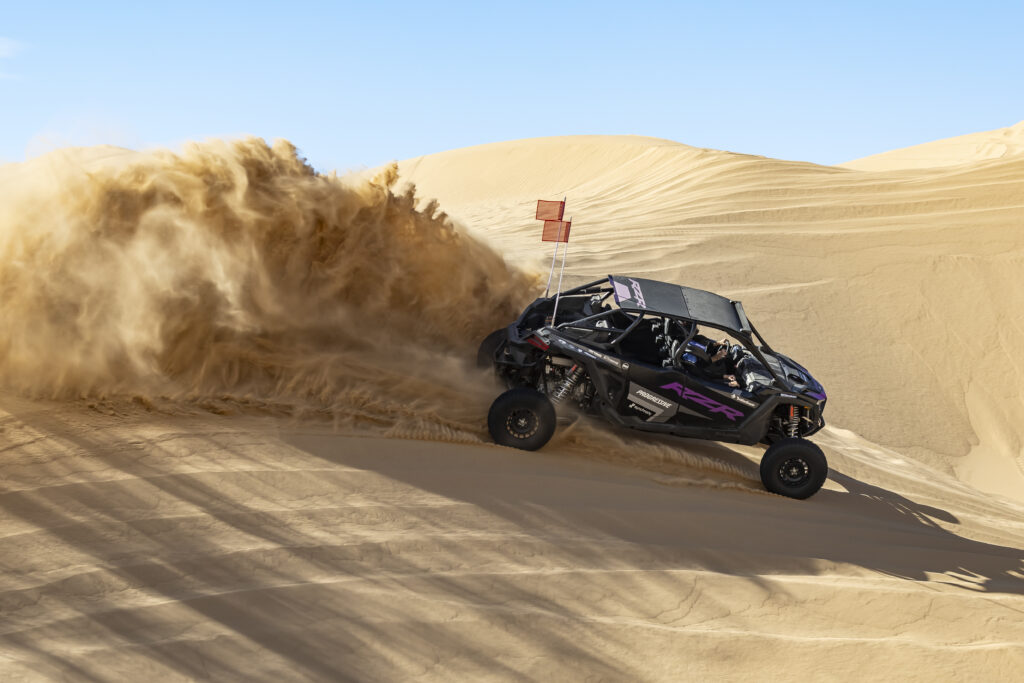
962,149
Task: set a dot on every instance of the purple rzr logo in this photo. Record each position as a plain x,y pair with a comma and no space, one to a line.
711,404
638,294
624,293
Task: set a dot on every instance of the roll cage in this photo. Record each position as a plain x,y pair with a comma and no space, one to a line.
616,335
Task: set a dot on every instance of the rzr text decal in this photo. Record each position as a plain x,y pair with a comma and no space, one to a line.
688,394
638,294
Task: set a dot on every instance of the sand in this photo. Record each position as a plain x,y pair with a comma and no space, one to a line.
249,463
962,149
899,288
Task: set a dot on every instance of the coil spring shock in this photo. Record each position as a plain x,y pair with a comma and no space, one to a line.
793,425
572,378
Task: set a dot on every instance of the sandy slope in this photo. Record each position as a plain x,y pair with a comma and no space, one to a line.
152,538
236,548
898,290
990,144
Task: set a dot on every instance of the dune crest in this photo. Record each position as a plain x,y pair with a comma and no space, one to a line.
962,149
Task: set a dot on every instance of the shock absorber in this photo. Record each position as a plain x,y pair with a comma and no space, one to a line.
793,425
572,378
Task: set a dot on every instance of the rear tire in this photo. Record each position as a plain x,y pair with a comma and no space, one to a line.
793,467
489,348
521,418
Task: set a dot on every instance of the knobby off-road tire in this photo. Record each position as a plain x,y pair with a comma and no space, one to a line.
793,467
522,418
489,347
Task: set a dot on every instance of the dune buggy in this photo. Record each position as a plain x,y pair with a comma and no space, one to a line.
642,354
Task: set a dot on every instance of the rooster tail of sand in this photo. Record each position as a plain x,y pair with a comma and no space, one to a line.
234,271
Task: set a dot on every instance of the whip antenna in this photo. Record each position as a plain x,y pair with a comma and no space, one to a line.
550,212
565,251
555,230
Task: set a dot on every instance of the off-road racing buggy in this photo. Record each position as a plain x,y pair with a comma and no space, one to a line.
635,352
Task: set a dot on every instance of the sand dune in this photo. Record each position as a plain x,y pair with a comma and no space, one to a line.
990,144
898,290
214,362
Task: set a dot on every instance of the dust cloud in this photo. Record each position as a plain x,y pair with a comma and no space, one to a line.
234,275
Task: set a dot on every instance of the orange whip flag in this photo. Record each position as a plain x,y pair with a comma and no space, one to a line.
556,231
550,211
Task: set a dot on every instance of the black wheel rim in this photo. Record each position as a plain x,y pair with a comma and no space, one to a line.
794,472
522,423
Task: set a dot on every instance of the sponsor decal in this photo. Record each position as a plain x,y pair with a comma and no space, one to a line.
655,408
596,355
688,394
734,396
744,401
638,294
608,359
658,400
646,412
578,349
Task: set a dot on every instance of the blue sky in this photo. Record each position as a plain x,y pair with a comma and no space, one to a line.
358,84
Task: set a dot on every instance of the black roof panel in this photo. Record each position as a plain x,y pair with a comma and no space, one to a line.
638,294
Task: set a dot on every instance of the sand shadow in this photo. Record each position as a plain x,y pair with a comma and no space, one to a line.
297,605
866,526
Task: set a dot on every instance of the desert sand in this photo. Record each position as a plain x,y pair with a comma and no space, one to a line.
962,149
243,439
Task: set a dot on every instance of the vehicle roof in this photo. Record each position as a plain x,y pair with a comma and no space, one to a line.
638,294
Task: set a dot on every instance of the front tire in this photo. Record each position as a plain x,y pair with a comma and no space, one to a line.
521,418
793,467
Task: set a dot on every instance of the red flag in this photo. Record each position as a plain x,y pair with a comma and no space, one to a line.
550,211
556,231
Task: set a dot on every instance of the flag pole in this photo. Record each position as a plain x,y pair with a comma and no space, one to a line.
551,270
558,294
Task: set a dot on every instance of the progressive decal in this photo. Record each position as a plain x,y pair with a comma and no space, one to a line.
655,408
654,399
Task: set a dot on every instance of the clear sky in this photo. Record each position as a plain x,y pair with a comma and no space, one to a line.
358,84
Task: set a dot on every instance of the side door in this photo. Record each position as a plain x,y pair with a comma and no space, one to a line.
667,395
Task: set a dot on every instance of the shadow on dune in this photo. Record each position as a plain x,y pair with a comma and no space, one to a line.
364,563
921,545
292,595
867,526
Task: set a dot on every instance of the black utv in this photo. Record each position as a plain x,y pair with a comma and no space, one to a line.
644,354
